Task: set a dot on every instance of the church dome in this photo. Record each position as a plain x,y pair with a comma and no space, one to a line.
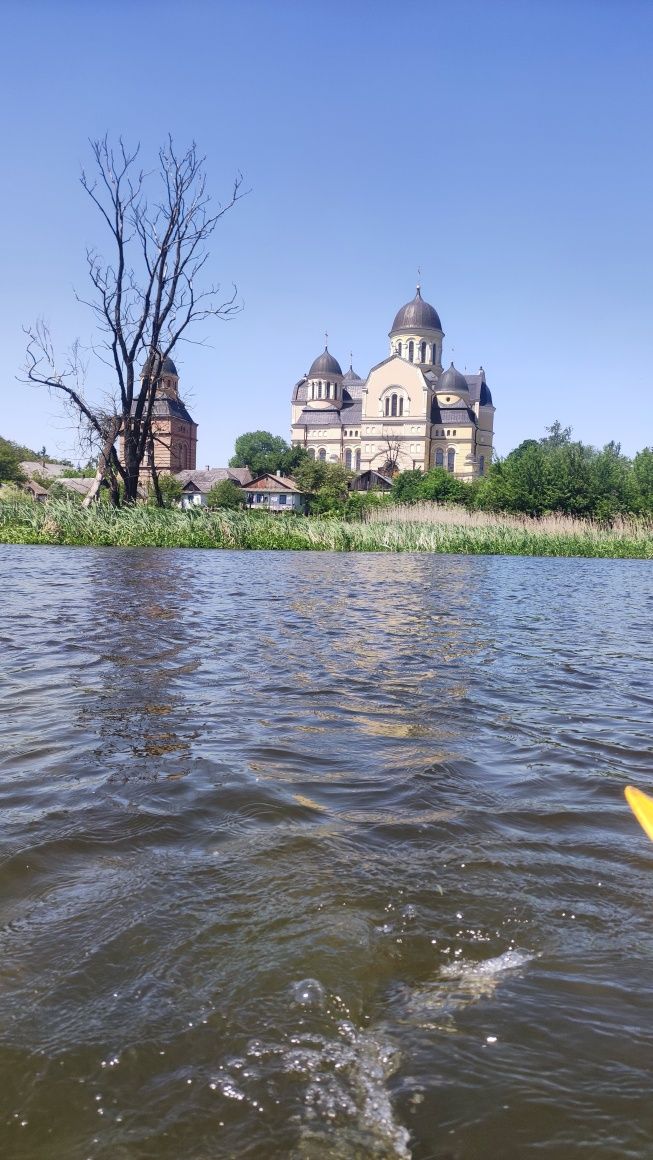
324,364
167,367
452,382
351,376
417,315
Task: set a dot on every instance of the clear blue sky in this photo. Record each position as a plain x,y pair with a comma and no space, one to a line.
505,147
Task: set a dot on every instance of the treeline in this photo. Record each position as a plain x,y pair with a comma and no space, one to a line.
552,474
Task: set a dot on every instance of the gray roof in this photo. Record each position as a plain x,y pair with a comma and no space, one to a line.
81,486
167,368
479,392
204,480
351,376
32,467
450,416
170,407
310,418
416,315
324,364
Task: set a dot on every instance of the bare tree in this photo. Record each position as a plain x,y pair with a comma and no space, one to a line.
144,299
391,450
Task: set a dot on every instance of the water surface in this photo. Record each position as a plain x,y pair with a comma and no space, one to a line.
323,856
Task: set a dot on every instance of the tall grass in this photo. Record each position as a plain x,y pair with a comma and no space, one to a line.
426,528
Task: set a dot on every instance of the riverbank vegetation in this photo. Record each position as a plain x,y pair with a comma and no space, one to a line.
388,528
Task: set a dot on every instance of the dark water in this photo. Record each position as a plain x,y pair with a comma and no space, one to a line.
319,856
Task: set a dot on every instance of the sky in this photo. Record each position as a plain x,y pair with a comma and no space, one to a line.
501,146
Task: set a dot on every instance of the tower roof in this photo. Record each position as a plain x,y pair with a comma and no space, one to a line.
324,364
167,367
417,315
453,381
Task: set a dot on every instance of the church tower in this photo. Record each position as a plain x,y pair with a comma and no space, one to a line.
174,431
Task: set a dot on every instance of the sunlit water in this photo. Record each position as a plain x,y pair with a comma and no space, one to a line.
314,856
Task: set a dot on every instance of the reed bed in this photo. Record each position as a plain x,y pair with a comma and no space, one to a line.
416,529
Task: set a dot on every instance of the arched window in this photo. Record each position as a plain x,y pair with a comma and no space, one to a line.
451,459
358,459
321,454
481,465
327,391
401,405
393,405
434,354
319,390
399,349
387,405
422,353
312,390
311,453
348,459
411,351
439,457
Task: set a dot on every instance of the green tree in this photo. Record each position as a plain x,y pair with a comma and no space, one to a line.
226,494
642,480
262,451
169,490
406,486
326,485
10,457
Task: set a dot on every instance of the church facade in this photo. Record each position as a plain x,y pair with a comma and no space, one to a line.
408,413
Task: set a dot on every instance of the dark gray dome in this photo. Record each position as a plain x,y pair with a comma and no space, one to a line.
167,368
416,315
352,377
452,382
324,364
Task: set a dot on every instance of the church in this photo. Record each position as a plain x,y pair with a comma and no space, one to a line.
408,413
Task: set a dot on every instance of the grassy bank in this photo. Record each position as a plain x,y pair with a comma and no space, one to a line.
402,529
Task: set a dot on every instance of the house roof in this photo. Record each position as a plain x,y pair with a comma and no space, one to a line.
81,486
32,467
35,487
203,481
270,482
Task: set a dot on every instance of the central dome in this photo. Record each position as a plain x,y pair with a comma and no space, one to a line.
324,364
167,366
416,315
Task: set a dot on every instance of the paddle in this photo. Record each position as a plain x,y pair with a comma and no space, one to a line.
642,806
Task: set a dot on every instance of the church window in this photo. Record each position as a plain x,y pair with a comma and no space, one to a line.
451,459
348,458
358,459
454,432
481,465
422,357
319,390
393,407
311,452
387,409
399,349
411,351
439,457
327,391
434,353
448,432
401,405
322,454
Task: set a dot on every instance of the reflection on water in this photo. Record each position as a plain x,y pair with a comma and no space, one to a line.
323,856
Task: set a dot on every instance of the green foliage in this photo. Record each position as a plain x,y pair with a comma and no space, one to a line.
261,451
325,485
170,489
436,485
226,494
10,458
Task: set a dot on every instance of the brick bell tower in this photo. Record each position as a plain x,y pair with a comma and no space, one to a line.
174,430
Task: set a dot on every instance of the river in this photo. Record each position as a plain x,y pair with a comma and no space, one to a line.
322,856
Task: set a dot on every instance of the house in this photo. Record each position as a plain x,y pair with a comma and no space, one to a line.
39,467
370,481
196,485
35,490
275,493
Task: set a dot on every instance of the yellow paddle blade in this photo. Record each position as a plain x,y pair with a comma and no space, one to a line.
642,806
